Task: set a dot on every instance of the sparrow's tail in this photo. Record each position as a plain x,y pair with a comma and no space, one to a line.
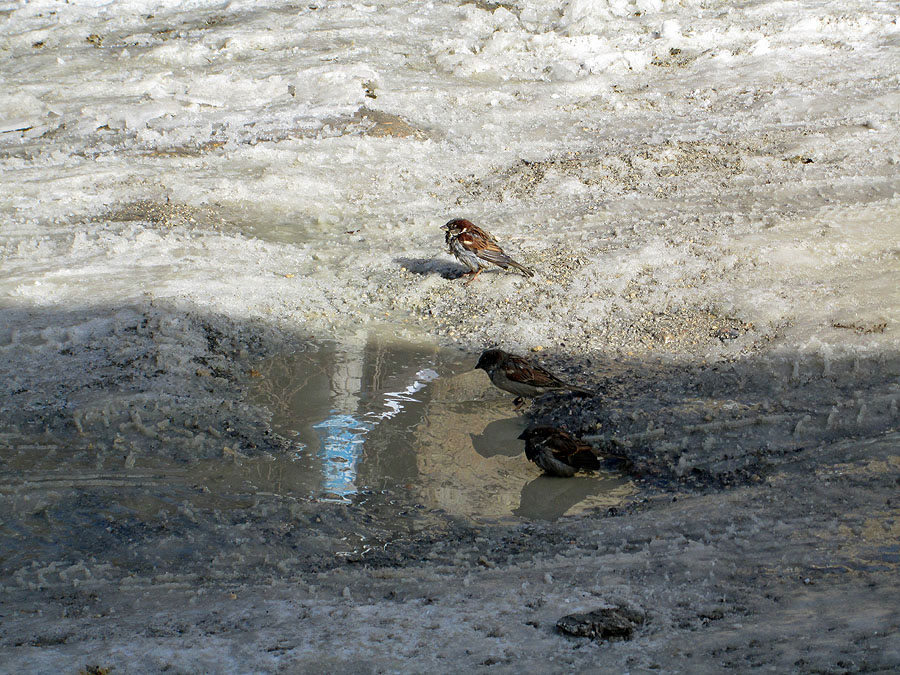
585,458
580,390
524,270
500,259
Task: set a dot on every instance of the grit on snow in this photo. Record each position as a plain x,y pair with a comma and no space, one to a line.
191,191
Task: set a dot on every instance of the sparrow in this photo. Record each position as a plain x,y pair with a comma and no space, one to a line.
558,453
474,248
517,376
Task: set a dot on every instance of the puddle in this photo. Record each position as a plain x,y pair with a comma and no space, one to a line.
387,440
383,420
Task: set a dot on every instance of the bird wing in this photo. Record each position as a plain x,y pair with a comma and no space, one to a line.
485,248
475,231
532,374
575,453
553,466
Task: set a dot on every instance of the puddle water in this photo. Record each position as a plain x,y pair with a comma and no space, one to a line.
382,419
386,440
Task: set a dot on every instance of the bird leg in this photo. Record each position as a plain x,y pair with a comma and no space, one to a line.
474,276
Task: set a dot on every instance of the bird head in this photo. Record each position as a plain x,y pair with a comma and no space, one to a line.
456,225
489,359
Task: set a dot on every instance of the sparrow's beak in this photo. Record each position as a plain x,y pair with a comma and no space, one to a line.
445,227
524,435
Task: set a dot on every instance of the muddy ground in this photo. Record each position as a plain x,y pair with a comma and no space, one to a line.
762,532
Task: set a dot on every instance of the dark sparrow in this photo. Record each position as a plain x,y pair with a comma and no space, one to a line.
474,248
559,453
517,376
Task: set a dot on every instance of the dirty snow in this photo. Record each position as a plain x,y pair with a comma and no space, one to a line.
709,192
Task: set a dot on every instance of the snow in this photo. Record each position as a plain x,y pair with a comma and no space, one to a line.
709,192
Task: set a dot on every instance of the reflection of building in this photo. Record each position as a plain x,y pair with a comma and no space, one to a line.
340,447
331,398
341,435
453,475
471,462
549,497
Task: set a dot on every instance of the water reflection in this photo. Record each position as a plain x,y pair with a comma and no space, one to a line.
550,497
342,435
340,447
486,442
393,400
411,424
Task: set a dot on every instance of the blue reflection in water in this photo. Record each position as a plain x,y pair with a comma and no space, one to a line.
341,437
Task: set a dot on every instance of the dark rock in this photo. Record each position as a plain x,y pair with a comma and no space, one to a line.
613,623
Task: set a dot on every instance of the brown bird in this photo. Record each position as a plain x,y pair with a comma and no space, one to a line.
517,376
474,247
558,453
